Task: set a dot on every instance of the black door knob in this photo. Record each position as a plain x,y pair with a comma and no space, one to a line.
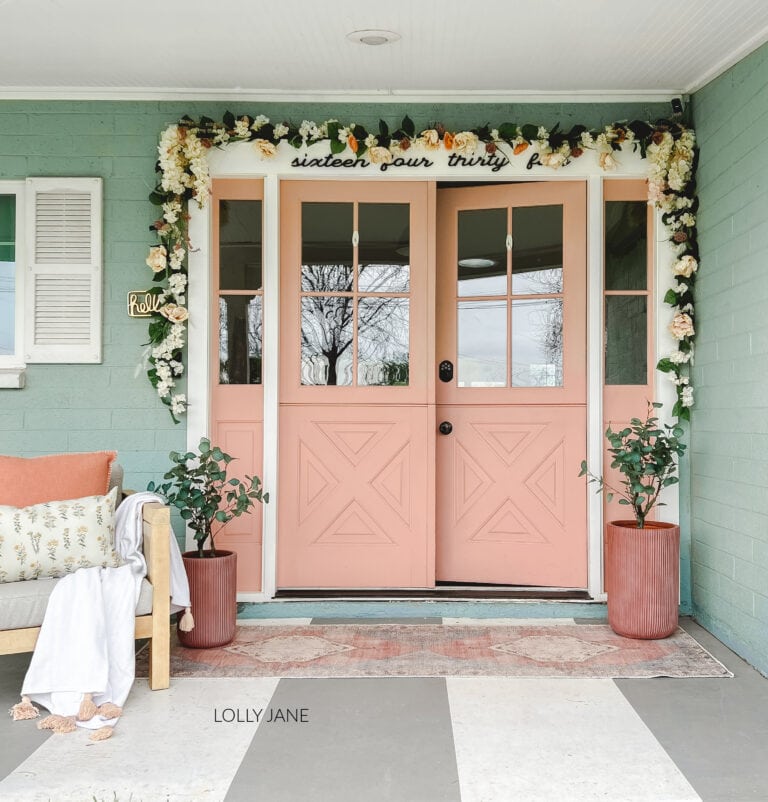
445,427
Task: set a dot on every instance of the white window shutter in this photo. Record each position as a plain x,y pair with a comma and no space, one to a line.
64,270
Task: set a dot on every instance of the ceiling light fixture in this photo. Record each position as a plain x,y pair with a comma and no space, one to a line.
373,37
476,264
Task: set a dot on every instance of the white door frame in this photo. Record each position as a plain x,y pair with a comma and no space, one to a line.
239,161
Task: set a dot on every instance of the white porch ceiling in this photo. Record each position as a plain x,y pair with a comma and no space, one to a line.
298,48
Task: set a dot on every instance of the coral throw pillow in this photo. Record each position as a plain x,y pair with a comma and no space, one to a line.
57,537
26,481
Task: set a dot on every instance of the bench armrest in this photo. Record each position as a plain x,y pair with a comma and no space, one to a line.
156,548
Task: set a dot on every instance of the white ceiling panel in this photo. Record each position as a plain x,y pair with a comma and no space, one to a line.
503,47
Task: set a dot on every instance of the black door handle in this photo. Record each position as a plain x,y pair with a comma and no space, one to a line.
445,427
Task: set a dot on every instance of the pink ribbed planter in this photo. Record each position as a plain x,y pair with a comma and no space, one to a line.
642,578
212,588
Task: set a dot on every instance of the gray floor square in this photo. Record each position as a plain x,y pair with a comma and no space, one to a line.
371,740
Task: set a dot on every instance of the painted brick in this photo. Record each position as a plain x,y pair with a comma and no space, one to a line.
737,595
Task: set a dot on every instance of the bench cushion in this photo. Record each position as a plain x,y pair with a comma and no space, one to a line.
22,604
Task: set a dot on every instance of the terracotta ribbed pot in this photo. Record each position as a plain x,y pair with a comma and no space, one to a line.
642,578
212,589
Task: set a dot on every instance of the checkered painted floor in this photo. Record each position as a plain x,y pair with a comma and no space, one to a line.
408,740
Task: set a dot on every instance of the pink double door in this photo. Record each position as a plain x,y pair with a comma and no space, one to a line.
433,385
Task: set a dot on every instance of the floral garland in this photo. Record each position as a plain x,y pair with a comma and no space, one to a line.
183,172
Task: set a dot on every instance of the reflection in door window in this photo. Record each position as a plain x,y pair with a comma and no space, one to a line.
482,252
482,344
240,245
537,343
240,338
382,341
384,251
537,250
326,247
326,340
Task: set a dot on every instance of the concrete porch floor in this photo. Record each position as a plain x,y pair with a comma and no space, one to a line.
409,740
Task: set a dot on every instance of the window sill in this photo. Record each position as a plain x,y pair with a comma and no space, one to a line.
12,378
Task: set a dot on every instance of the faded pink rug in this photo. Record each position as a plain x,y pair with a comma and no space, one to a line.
425,650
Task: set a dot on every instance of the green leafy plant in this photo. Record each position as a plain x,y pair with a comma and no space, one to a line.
646,454
199,488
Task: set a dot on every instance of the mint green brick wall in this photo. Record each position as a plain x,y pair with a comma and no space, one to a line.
729,449
83,407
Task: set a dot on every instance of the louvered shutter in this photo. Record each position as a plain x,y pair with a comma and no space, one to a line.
64,273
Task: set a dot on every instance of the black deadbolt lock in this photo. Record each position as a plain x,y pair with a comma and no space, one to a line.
445,371
445,427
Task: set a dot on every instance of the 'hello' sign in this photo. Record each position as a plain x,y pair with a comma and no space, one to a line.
142,303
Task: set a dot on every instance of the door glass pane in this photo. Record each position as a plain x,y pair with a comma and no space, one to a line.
383,253
537,343
7,273
482,252
537,250
626,346
626,245
383,341
240,338
326,340
482,344
240,244
326,247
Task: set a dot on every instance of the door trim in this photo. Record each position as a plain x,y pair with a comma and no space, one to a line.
238,163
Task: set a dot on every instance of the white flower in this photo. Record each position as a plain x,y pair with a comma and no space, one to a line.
686,397
281,129
305,129
171,211
241,127
380,155
542,133
264,148
157,258
586,139
679,357
177,257
430,139
259,122
688,220
178,404
371,141
494,134
680,288
685,266
465,142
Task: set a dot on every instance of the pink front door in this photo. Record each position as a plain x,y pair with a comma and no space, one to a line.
356,424
511,278
382,339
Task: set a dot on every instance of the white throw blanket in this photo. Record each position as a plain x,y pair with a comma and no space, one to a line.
86,642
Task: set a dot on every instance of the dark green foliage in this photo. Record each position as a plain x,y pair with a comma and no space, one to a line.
646,454
199,488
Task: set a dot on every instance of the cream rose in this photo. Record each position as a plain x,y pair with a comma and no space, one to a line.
158,258
465,142
379,155
607,162
685,266
430,139
174,313
264,148
553,159
681,326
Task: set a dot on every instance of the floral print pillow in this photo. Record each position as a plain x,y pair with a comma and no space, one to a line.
57,537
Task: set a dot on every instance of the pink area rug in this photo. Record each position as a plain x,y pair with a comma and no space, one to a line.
418,650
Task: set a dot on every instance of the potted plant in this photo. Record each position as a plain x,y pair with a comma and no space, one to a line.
642,556
198,487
